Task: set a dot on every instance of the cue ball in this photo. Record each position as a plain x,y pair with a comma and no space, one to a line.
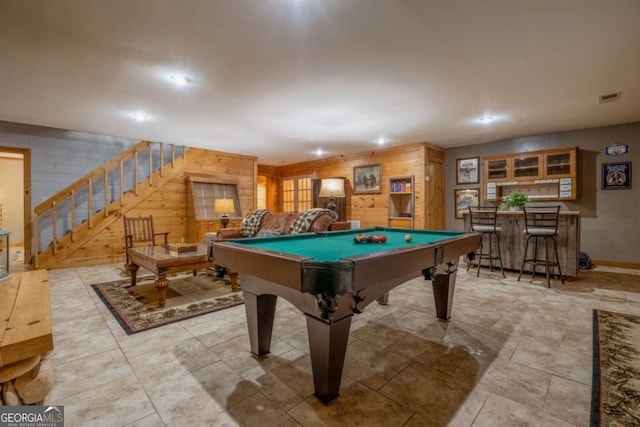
407,237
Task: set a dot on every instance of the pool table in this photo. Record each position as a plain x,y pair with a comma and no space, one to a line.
330,277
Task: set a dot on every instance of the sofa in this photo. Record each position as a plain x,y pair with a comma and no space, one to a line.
264,223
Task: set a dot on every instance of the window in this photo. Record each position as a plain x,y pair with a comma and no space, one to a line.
296,194
204,195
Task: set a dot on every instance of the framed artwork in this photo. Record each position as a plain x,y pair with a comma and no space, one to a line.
465,198
616,176
366,179
467,171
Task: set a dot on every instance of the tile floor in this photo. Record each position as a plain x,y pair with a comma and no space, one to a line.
515,353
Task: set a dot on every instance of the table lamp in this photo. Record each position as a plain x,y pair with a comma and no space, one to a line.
331,188
223,207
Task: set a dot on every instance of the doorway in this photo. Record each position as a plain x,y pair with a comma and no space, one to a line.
15,203
261,202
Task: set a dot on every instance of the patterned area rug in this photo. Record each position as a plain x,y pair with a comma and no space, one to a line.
615,399
136,307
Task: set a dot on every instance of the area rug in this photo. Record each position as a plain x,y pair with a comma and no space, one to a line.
615,393
136,307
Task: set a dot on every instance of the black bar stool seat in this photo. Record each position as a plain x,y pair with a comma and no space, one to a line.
541,223
483,220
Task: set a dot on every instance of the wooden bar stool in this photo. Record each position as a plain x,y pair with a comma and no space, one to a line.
541,223
483,220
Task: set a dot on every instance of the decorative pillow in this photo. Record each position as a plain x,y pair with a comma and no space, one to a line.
252,221
268,232
306,218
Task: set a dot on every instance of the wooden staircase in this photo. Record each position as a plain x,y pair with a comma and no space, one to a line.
76,214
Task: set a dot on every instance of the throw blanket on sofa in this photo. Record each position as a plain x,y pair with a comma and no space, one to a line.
251,223
306,218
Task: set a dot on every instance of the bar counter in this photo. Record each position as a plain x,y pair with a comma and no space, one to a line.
512,241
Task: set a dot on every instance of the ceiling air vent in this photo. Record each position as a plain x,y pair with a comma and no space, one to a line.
609,97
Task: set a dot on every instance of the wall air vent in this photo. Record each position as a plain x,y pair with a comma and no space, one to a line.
609,97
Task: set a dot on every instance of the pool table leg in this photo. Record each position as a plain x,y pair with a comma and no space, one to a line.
444,283
384,299
260,310
327,348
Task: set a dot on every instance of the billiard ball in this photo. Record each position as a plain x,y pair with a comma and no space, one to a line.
407,237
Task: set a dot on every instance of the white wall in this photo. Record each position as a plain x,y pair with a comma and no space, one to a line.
59,157
609,226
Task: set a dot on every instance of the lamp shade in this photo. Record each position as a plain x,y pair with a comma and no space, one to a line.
223,206
332,187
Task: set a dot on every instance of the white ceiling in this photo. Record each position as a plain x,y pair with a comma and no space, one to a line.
281,78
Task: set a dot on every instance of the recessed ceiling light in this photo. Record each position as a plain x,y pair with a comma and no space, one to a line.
486,119
319,152
180,80
381,141
140,116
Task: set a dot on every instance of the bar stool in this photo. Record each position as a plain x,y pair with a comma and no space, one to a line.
541,223
483,220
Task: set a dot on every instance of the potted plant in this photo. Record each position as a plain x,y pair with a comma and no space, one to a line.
515,201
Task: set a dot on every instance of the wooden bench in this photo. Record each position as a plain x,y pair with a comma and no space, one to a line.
25,317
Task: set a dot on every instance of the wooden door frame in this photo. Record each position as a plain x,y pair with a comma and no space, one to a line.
26,177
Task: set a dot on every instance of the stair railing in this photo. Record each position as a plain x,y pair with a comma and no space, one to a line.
87,200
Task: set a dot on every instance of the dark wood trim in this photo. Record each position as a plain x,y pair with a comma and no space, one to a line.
632,265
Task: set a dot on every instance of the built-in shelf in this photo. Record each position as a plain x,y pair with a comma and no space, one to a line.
401,201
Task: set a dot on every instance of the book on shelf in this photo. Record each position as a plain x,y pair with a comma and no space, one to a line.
401,187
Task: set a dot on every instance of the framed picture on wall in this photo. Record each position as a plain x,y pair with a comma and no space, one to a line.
616,176
465,198
467,170
366,179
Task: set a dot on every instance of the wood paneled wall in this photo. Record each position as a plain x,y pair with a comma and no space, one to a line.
420,160
168,205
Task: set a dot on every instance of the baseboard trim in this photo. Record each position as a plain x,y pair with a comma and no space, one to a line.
633,265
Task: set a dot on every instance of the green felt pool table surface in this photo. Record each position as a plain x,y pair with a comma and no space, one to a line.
333,246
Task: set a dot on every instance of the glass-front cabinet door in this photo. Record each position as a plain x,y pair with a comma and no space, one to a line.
560,164
527,166
496,169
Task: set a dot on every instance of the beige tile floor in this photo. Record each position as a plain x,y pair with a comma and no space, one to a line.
515,353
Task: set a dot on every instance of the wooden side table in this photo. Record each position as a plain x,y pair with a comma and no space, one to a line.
340,226
161,261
